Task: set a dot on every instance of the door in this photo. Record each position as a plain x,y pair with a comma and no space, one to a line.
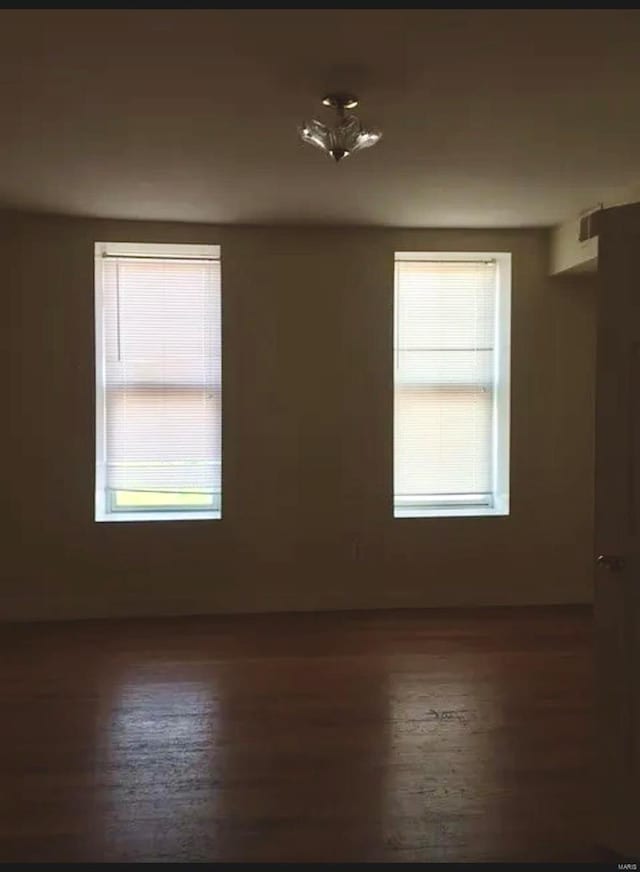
617,532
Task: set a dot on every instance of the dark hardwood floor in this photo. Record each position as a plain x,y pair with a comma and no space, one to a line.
406,735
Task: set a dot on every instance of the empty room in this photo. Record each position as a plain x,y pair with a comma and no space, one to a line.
322,447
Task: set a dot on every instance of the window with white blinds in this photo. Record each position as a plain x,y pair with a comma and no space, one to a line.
451,383
158,382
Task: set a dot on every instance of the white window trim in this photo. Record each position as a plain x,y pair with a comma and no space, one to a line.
102,513
498,502
149,249
141,516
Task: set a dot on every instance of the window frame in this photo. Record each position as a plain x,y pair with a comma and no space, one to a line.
104,497
498,503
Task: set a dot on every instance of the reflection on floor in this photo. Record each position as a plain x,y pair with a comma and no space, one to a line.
452,735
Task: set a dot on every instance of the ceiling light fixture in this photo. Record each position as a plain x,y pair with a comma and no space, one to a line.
346,136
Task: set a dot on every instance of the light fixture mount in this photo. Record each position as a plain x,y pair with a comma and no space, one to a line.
346,136
340,101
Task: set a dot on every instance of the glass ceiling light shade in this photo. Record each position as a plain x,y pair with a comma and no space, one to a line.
346,136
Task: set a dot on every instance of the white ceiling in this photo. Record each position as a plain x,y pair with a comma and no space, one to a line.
490,117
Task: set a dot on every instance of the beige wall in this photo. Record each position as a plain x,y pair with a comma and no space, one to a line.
307,435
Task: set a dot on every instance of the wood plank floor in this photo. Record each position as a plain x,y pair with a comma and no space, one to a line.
406,735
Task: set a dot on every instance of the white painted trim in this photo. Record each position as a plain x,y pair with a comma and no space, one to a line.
152,249
470,256
502,394
189,515
449,512
100,446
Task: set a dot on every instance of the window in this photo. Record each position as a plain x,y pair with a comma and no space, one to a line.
158,388
451,383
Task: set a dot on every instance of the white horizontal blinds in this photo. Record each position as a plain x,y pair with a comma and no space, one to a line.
444,382
162,367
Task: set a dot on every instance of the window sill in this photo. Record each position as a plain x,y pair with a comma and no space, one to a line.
158,516
449,512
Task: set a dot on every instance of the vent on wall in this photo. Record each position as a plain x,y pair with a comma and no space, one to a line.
588,225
